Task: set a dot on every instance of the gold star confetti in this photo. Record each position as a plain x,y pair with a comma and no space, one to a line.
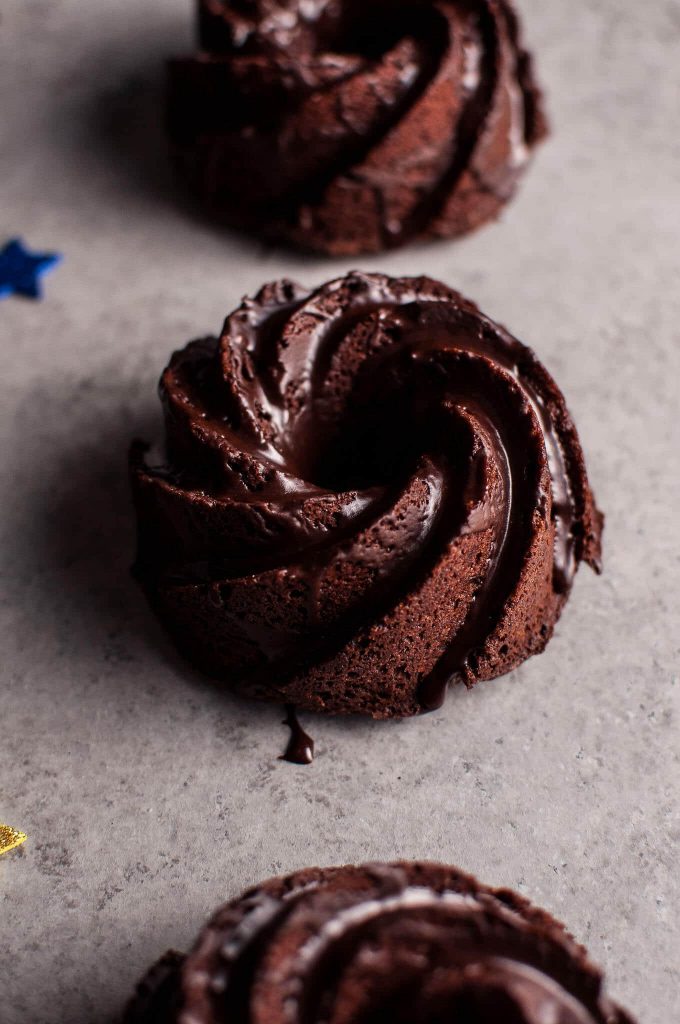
10,838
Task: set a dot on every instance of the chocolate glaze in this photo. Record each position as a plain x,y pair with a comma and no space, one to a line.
400,942
347,466
300,749
346,126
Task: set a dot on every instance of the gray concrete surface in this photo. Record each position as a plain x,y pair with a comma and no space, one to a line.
147,796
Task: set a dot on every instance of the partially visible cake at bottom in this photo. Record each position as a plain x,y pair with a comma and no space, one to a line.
407,943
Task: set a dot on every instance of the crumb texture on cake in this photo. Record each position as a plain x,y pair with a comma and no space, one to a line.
343,126
367,490
403,942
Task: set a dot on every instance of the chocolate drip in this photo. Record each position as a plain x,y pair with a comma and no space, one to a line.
300,748
347,127
398,942
345,464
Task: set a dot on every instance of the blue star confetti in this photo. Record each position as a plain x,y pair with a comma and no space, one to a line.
21,270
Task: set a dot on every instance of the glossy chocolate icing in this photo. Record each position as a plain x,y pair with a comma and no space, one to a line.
347,126
400,942
332,454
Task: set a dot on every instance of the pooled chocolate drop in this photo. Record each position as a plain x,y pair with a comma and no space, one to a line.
368,491
344,126
300,749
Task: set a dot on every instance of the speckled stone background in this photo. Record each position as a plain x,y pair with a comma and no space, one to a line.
149,797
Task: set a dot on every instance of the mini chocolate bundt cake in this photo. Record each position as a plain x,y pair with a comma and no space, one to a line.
401,943
348,126
367,490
